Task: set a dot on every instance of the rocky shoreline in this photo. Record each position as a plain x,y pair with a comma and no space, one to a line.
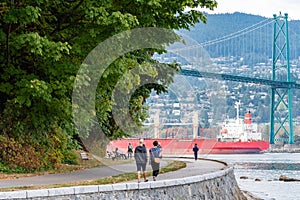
297,150
287,148
281,178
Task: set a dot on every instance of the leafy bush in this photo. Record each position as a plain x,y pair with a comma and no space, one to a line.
30,154
18,155
70,158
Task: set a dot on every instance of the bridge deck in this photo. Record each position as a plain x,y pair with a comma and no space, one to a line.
228,77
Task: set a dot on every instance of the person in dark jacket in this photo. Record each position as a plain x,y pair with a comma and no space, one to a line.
140,155
155,152
195,150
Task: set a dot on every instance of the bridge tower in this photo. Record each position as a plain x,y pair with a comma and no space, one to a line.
281,121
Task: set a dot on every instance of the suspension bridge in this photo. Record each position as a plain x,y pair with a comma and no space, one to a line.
198,59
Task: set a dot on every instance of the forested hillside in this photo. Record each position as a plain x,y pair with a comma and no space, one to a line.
220,25
253,97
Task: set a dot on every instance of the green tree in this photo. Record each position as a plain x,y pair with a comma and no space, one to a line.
42,46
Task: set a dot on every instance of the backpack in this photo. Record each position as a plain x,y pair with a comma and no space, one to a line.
155,154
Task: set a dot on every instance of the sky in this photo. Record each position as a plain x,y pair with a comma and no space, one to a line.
264,8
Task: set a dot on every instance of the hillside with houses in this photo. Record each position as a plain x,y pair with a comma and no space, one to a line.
214,100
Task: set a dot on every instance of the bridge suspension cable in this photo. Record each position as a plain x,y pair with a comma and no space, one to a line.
239,33
229,36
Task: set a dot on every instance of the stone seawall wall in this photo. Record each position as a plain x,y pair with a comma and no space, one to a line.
217,185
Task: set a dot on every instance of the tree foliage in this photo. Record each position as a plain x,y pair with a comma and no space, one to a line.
42,46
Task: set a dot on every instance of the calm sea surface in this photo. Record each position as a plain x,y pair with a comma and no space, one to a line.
267,168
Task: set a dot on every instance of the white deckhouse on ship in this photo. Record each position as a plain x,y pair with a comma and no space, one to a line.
239,129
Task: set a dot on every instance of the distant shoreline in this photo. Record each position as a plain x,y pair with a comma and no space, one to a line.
290,150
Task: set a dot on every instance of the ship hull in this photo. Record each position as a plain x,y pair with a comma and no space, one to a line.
206,146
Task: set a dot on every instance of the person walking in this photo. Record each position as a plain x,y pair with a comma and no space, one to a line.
195,150
155,156
130,150
140,156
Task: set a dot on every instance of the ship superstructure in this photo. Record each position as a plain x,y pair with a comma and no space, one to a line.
239,129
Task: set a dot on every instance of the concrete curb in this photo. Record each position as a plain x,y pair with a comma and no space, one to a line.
27,194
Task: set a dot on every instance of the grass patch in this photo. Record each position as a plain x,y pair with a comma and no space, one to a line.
171,166
65,168
62,168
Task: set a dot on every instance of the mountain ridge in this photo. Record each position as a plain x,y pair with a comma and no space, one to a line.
220,25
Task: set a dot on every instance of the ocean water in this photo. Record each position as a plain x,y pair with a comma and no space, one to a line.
263,171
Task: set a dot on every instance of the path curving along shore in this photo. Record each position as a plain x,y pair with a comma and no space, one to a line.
201,179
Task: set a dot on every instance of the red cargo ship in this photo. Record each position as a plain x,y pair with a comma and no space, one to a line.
206,146
237,136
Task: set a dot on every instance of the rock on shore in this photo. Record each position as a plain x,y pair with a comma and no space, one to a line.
287,179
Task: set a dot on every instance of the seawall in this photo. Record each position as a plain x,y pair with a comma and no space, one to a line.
216,185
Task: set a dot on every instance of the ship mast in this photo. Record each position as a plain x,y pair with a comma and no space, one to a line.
237,104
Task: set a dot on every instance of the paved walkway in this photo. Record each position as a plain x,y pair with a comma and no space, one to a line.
193,168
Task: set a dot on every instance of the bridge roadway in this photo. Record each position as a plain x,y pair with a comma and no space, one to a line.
193,168
228,77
